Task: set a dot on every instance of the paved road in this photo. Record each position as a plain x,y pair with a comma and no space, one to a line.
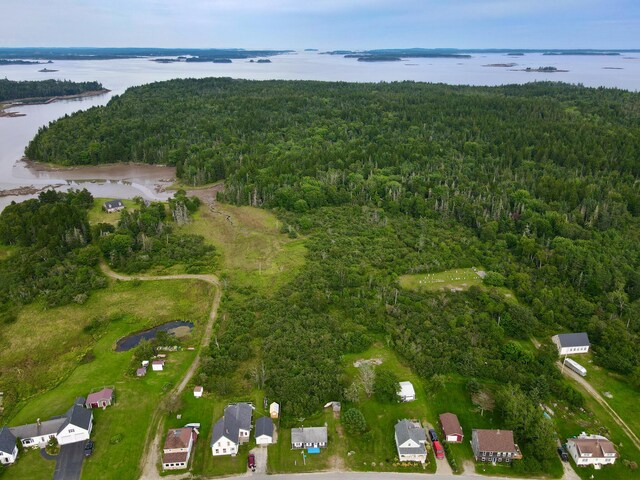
371,475
69,462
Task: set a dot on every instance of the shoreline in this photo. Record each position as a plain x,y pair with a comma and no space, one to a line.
4,105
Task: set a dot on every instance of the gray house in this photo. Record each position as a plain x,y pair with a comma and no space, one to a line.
8,447
411,441
232,429
571,343
113,206
310,437
264,431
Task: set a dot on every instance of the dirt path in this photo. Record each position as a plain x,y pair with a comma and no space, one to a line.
150,457
596,395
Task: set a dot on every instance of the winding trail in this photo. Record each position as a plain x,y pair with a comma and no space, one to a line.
598,398
150,459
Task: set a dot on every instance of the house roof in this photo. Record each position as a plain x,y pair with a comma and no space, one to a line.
274,407
596,445
264,426
408,430
113,203
450,424
495,440
157,362
573,339
178,438
309,435
419,450
141,371
406,389
198,389
78,416
7,440
104,394
236,417
175,457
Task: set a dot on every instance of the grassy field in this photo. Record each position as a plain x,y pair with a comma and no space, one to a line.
98,215
119,431
455,279
254,252
31,466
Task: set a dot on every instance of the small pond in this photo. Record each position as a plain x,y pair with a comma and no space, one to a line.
177,327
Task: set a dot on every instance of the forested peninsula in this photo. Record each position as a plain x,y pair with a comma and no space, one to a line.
37,91
536,184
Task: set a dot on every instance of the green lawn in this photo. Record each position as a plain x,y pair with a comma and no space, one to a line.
30,466
98,215
120,430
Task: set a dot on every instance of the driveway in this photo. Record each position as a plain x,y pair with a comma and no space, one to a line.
69,462
261,461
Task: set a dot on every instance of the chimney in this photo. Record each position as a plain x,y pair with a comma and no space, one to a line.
38,422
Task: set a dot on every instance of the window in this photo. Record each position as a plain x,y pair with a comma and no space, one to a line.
71,430
224,450
217,450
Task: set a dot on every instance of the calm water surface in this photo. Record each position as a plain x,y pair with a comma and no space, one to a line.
127,181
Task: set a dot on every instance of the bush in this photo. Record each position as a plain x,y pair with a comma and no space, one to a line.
354,421
386,386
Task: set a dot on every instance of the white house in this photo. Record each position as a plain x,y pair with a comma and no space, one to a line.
8,447
571,343
157,365
264,431
407,392
113,206
310,437
274,410
74,426
593,450
232,429
177,448
198,391
411,440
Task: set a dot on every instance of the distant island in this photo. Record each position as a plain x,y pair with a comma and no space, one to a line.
543,70
310,49
583,53
47,70
376,58
516,54
4,61
501,65
263,60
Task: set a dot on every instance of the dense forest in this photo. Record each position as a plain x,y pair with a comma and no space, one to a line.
537,183
17,90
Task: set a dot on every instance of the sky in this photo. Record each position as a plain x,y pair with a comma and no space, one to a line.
323,24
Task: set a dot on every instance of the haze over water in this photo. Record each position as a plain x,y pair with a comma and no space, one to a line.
117,75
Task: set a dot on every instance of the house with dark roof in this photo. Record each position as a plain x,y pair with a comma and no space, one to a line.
494,446
411,441
74,426
264,431
310,437
451,428
593,450
177,448
101,399
232,429
571,343
8,447
113,206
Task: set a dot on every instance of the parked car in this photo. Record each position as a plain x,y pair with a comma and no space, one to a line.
433,435
88,449
563,454
252,461
438,450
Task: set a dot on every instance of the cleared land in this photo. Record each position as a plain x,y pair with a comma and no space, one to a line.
98,215
455,279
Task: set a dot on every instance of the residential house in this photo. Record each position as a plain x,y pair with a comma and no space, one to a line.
8,447
264,431
571,343
310,437
232,429
407,393
74,426
198,391
274,410
411,440
157,365
101,399
141,372
494,446
593,450
451,428
177,448
113,206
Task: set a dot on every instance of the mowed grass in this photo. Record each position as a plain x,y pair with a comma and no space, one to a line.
98,215
253,251
119,431
30,466
455,279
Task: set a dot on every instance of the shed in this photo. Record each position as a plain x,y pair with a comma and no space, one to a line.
145,363
101,399
407,392
157,365
274,410
198,391
141,372
451,428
